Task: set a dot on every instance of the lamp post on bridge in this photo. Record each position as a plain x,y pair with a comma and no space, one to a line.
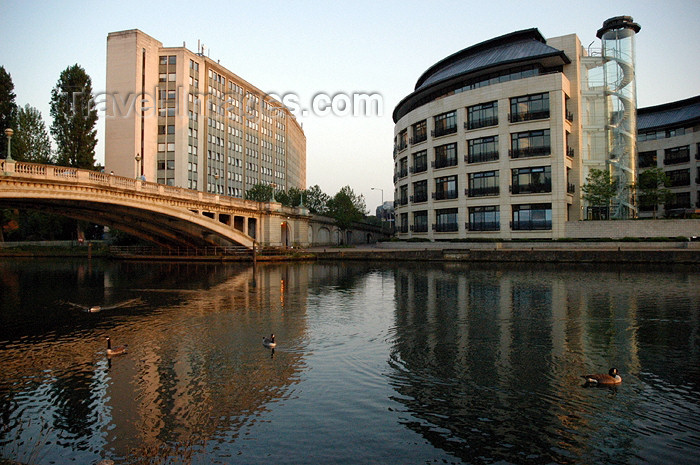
9,132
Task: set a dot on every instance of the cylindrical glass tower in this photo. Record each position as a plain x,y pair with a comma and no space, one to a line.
617,36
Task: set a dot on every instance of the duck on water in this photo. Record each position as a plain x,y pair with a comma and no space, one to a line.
601,379
269,341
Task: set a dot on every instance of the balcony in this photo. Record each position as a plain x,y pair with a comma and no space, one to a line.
570,188
402,146
481,123
445,227
482,191
445,195
418,139
683,157
570,152
528,116
403,201
419,228
403,229
437,132
418,198
403,173
569,116
481,157
419,168
532,225
532,188
530,152
484,226
444,163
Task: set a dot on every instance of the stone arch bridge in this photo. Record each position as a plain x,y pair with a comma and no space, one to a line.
166,215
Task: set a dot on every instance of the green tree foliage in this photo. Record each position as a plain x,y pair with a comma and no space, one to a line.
600,188
8,108
74,119
346,208
31,140
295,196
259,193
316,200
283,198
651,188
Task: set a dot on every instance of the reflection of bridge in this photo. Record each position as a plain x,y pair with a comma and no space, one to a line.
169,216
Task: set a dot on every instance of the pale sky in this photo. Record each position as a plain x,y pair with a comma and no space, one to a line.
311,47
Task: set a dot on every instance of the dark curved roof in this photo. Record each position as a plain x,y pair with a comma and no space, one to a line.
668,115
520,47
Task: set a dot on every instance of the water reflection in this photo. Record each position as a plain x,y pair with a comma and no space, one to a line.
375,363
486,362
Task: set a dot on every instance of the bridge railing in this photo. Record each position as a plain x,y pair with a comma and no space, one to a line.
180,251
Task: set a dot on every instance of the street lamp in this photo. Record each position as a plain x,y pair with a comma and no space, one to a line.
8,133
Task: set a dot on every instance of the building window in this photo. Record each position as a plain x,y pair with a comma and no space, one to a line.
420,191
402,141
679,177
532,217
482,115
403,167
403,195
529,107
482,149
483,184
647,159
530,144
677,155
171,129
420,132
420,221
446,220
403,223
172,59
532,180
445,123
679,200
445,188
485,218
420,162
445,155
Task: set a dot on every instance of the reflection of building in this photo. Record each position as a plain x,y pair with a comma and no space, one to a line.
202,126
669,138
496,139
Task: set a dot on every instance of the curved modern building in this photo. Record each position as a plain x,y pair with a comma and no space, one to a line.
486,145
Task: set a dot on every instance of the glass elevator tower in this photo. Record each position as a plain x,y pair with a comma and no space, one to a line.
618,47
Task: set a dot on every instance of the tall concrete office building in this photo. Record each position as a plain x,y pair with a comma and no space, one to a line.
496,140
179,118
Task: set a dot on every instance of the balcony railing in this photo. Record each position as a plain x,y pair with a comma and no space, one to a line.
484,226
419,168
418,198
570,152
530,152
481,123
445,195
403,201
482,191
570,188
528,116
444,162
418,139
419,228
674,160
445,227
403,173
402,146
437,132
403,228
481,157
569,116
536,225
532,188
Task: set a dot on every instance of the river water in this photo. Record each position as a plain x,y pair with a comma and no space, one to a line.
375,363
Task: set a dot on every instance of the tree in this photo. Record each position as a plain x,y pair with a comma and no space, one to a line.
74,119
8,108
259,193
283,198
346,208
315,200
600,189
295,196
31,140
651,187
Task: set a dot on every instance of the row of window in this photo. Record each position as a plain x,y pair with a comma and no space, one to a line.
484,149
529,180
672,156
522,108
485,218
